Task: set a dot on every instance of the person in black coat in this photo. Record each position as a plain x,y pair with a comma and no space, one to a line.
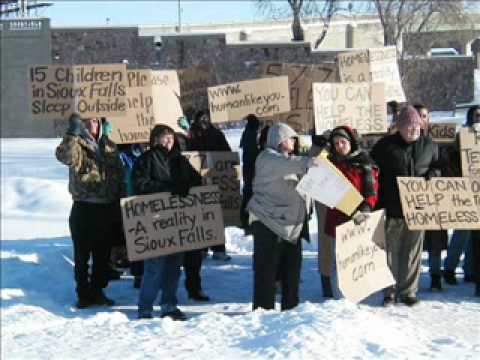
206,137
162,169
405,153
250,150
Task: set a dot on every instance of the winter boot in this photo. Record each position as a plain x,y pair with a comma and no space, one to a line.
99,298
436,284
326,287
449,277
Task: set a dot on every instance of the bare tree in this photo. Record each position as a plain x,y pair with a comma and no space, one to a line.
411,16
298,9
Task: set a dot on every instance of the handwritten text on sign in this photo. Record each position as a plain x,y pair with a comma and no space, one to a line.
162,224
261,97
300,79
375,65
56,91
360,105
440,203
443,132
361,262
222,169
470,152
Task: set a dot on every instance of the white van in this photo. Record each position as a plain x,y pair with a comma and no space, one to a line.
434,52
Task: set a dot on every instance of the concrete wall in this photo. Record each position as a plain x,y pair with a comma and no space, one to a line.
22,43
437,82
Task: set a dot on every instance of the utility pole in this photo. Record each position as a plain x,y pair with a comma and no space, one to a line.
179,28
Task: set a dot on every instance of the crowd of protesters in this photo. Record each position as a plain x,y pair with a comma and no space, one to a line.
100,173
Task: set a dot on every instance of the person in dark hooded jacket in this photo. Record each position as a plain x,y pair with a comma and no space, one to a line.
408,154
250,150
357,166
206,137
162,169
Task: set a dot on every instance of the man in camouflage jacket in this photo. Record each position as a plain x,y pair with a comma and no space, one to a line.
96,185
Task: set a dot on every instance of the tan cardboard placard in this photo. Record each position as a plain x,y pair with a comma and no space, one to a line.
193,85
166,78
327,185
360,105
162,224
443,132
147,105
221,168
300,79
361,262
261,97
56,91
470,152
376,65
439,204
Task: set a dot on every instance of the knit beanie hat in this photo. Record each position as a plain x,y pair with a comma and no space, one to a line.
408,116
340,132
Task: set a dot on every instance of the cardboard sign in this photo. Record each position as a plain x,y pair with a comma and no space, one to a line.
221,169
193,85
470,152
150,100
361,263
326,184
162,224
300,79
261,97
443,132
360,105
377,65
57,91
440,203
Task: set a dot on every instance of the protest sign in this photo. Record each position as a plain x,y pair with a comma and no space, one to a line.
162,224
56,91
443,132
300,79
222,169
360,105
377,65
439,204
470,152
150,100
361,262
326,184
261,97
193,85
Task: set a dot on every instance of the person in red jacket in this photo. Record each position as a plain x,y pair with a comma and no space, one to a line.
361,171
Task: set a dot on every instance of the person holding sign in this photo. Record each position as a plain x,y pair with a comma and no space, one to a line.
96,174
277,215
361,171
162,169
204,136
404,153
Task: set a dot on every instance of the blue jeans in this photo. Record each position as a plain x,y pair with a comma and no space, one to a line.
459,243
160,273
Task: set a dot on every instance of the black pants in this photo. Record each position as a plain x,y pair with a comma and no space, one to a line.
91,230
192,264
269,257
475,239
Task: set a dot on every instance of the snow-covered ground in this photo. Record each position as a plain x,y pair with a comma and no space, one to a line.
38,320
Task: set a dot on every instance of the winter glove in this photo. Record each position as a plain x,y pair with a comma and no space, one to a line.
359,217
107,128
183,123
430,174
75,125
180,189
